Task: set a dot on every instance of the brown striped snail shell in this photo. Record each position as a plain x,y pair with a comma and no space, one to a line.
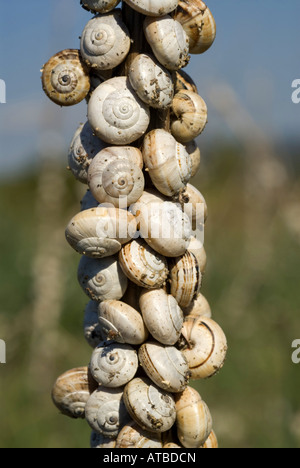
198,23
152,408
102,279
211,442
132,436
105,411
185,278
98,441
168,41
190,116
166,366
142,265
83,148
92,330
100,232
122,323
162,315
199,307
153,7
115,176
183,81
193,421
105,41
113,364
65,78
72,390
205,348
99,6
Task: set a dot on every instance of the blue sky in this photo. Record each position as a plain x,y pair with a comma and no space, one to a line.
256,54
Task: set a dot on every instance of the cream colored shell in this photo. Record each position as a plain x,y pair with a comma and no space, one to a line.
195,155
185,278
92,330
116,114
162,315
105,41
153,7
206,346
65,78
152,83
115,176
99,6
190,116
113,364
199,307
142,265
166,366
102,279
168,41
122,323
72,390
194,421
132,436
195,206
211,442
152,408
196,247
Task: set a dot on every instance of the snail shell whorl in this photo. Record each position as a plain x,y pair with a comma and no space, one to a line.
105,41
191,116
65,78
186,278
116,114
99,6
153,7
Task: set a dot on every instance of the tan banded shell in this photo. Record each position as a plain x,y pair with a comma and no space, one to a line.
183,81
185,278
72,390
132,436
65,78
212,441
190,116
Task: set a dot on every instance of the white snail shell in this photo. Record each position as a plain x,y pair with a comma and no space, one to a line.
194,421
92,330
132,436
83,148
65,78
113,364
152,83
72,390
199,24
206,346
190,113
102,279
88,201
115,176
162,315
122,323
116,114
168,162
185,278
105,411
196,247
142,265
195,155
199,307
99,6
166,366
196,208
168,41
98,441
105,41
100,232
149,406
153,7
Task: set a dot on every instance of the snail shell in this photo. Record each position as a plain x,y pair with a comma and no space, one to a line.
98,441
196,247
168,40
115,176
211,442
185,278
116,114
105,41
206,346
99,6
183,81
143,265
195,206
102,279
194,422
122,323
195,155
88,201
198,23
105,411
132,436
100,232
162,315
190,111
199,307
166,366
113,364
153,7
152,408
84,146
168,162
72,390
152,83
65,78
92,330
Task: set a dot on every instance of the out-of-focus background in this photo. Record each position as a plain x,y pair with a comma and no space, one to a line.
250,177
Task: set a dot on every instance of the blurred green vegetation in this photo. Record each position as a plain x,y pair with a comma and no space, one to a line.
252,242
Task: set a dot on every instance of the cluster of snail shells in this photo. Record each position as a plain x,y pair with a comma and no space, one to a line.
150,328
